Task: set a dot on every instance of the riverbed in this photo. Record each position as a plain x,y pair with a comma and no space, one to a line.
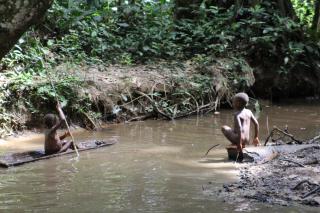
157,166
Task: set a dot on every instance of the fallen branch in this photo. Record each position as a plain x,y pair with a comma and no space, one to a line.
276,129
155,108
312,192
89,119
133,100
267,139
141,118
302,182
291,161
214,146
192,112
314,139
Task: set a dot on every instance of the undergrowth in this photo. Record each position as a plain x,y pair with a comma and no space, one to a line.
104,32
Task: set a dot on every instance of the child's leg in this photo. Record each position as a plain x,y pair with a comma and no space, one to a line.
230,135
66,146
234,139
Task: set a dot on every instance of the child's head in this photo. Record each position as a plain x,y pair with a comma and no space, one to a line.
240,100
50,120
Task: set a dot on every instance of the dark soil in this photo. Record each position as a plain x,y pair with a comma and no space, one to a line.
288,179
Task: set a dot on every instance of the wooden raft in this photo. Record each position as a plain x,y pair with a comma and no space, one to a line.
17,159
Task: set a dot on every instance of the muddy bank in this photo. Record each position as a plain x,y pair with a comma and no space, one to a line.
96,94
287,179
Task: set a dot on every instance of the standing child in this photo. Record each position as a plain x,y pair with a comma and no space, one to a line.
240,134
53,142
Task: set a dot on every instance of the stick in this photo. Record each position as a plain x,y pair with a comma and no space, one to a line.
314,139
192,112
312,192
237,157
68,127
302,182
154,105
91,121
268,125
287,134
283,132
141,118
214,146
291,161
267,139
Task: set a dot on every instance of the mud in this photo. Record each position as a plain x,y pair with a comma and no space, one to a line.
288,179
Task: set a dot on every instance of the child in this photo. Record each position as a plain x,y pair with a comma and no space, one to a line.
240,135
53,142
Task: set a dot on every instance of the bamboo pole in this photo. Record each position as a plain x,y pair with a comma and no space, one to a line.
68,127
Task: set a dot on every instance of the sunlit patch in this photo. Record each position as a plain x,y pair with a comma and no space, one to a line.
208,163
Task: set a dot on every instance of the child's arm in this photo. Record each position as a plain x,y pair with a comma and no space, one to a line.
241,132
61,114
256,141
62,119
66,134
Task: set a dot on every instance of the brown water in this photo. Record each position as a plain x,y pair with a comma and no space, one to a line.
155,167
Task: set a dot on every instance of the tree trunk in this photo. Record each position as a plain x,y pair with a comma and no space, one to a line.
185,9
16,16
316,22
286,9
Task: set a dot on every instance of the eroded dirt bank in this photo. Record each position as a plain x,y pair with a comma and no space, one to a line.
96,93
288,179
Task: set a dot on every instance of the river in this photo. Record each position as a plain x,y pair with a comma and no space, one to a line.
157,166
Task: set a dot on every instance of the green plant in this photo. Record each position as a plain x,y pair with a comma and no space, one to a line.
304,11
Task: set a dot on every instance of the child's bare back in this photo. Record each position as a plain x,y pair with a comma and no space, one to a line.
242,120
240,134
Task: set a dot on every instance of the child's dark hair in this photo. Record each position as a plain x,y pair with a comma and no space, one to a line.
242,97
50,120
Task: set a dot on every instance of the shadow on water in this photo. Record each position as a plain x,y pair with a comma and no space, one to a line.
157,166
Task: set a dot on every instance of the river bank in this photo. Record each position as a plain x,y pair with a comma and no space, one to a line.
97,94
286,178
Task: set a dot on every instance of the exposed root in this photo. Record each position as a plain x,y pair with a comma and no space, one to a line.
154,105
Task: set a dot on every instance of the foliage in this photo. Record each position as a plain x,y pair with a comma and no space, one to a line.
40,92
131,32
304,11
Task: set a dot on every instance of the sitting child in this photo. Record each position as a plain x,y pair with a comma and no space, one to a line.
53,142
240,135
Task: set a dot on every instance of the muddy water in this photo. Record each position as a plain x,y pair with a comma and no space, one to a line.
157,166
